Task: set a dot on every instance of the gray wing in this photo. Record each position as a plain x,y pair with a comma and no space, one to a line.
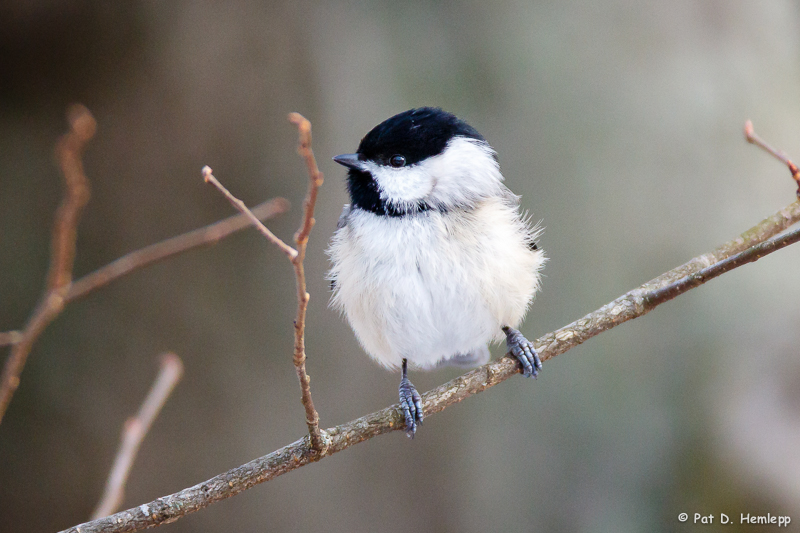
339,225
343,217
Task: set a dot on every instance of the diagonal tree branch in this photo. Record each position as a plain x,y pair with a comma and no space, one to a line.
750,255
208,177
747,247
205,236
134,432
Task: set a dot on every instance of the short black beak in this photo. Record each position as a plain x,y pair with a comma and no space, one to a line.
350,161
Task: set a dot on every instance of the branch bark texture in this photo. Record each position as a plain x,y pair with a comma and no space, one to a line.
630,305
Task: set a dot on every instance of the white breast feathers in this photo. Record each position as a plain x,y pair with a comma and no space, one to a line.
434,285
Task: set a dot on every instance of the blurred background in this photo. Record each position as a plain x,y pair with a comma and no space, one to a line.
619,124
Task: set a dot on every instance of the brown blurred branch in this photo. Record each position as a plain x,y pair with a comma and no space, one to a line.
205,236
134,432
746,247
319,441
55,299
60,287
69,150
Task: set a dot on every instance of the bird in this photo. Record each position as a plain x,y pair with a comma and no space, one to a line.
432,259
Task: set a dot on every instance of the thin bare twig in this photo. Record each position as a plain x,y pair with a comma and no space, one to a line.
751,137
290,252
319,441
314,175
631,305
69,151
159,251
134,432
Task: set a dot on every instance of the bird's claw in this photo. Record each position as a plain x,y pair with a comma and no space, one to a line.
411,405
523,351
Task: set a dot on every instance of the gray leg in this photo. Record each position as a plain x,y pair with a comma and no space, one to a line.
523,351
410,403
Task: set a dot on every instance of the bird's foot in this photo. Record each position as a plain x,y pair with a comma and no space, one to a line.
411,404
523,351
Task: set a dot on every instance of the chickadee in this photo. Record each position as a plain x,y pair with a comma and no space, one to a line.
432,259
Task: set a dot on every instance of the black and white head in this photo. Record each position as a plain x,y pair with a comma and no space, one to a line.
419,160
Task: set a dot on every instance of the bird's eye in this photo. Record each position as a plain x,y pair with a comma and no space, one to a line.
398,161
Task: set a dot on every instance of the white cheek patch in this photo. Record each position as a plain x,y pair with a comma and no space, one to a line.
463,173
401,185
